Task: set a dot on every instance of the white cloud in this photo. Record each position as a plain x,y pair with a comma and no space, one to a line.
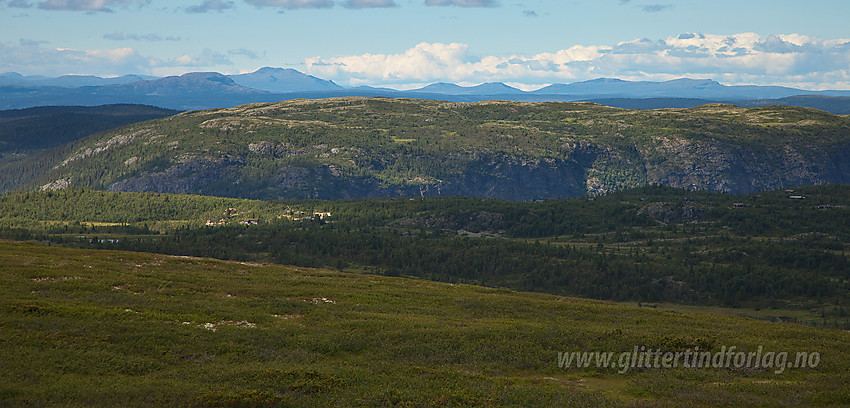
452,62
424,62
745,58
207,58
34,59
31,58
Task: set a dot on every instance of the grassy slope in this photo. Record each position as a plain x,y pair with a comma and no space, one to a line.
106,328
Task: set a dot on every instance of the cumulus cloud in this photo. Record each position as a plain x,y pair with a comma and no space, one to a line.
210,5
35,59
138,37
292,4
77,5
359,4
790,60
423,62
207,58
462,3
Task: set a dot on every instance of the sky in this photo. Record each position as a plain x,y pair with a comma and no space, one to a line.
408,43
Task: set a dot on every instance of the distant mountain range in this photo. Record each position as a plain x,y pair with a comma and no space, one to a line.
677,88
71,81
201,90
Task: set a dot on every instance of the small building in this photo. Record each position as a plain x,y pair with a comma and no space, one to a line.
824,207
739,205
321,215
797,197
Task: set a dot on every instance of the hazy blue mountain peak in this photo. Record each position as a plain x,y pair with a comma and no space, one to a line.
283,80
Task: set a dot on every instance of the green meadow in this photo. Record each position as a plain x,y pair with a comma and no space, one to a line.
84,327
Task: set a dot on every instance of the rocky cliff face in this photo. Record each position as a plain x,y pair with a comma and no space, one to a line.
491,179
358,147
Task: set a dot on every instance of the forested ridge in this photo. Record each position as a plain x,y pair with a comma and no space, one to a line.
376,147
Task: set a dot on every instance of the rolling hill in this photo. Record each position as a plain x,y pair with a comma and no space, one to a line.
368,147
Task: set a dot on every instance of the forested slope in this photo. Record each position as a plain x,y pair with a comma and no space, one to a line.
360,147
651,244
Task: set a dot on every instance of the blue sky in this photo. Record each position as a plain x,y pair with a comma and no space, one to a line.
406,43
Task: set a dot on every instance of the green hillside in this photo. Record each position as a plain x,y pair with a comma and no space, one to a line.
767,255
360,147
108,328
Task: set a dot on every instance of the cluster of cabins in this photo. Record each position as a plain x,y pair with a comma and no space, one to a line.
791,196
227,217
232,216
297,215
